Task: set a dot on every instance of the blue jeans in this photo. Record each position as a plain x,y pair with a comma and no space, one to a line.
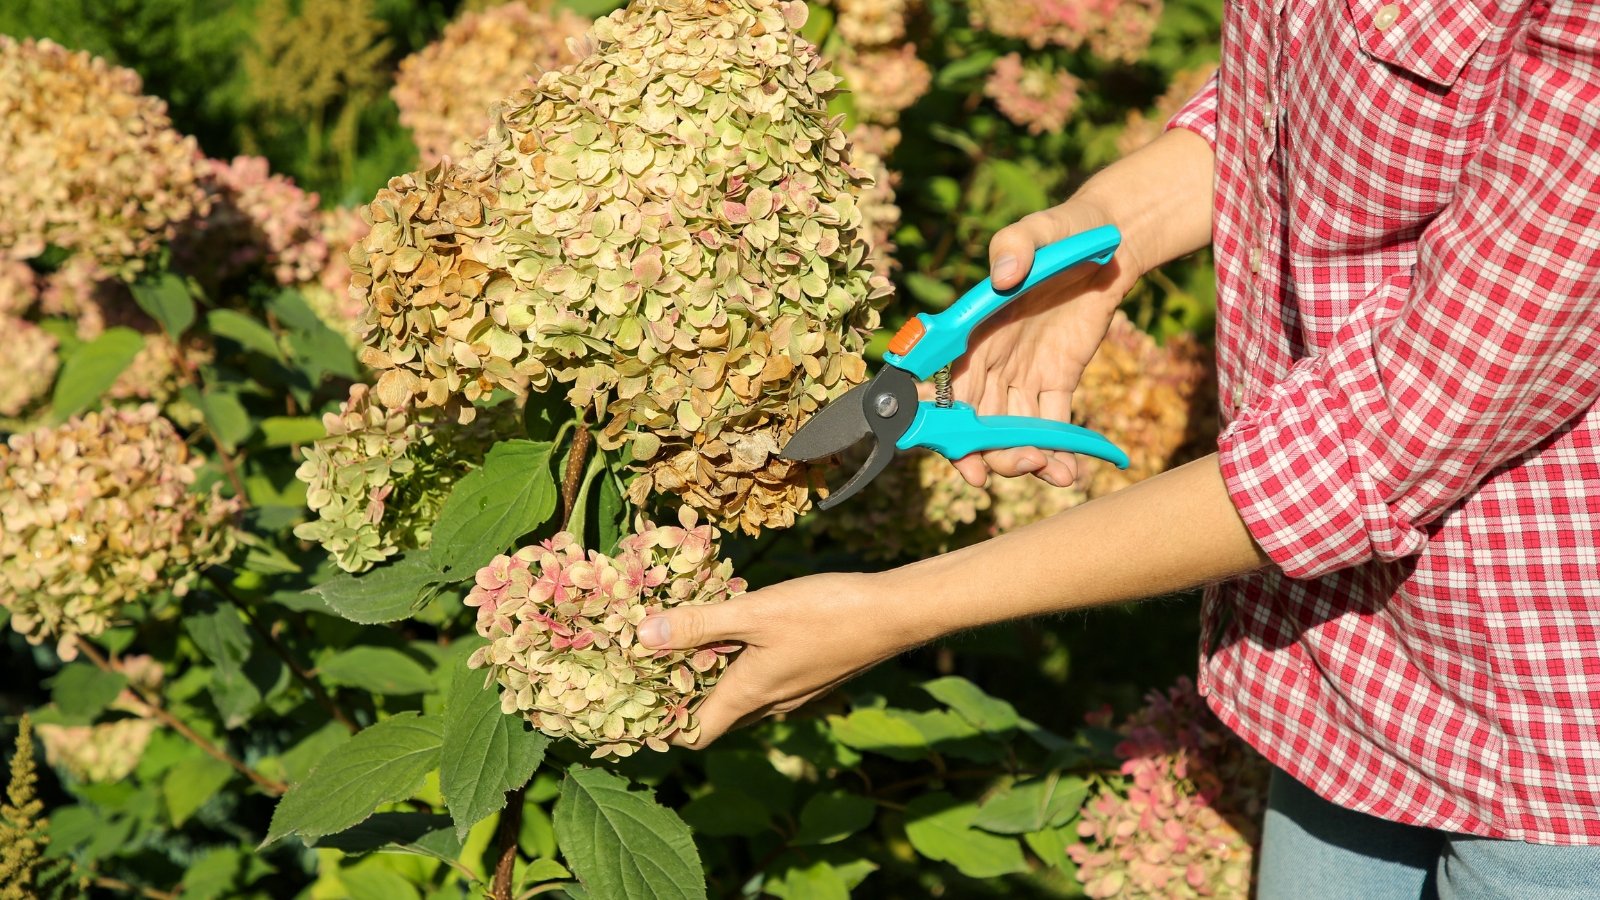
1312,849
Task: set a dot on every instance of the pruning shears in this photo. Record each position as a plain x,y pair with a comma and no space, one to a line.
886,408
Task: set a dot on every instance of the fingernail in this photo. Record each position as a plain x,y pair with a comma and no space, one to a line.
655,631
1004,267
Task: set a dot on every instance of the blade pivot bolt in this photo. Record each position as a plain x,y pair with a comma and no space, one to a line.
887,405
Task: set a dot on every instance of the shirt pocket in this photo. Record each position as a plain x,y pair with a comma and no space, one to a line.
1392,100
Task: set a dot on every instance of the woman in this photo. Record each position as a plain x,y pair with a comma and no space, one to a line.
1401,527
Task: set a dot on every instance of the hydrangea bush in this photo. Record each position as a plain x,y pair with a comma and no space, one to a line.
327,518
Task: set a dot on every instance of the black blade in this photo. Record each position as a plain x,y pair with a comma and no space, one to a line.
875,464
837,426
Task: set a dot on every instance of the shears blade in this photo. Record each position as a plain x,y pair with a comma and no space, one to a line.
882,409
835,428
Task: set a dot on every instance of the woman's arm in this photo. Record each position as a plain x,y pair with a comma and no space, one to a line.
803,637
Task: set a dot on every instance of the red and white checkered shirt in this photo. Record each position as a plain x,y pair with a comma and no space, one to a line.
1408,269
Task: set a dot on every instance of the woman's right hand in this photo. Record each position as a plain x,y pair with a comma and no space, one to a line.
1026,360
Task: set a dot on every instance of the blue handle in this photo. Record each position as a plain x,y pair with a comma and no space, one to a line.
946,333
957,430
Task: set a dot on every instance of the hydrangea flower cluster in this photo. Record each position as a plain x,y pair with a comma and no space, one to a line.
329,296
31,365
445,90
379,479
1184,819
670,227
93,166
256,219
562,624
1031,94
871,23
92,754
919,507
885,81
19,287
97,513
1142,129
1116,30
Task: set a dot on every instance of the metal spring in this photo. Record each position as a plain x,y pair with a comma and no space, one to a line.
941,388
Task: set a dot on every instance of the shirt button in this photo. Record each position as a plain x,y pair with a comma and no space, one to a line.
1255,260
1238,396
1385,16
1267,116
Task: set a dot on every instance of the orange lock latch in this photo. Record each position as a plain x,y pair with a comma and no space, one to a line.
907,337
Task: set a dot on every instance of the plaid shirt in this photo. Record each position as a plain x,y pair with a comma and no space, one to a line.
1408,269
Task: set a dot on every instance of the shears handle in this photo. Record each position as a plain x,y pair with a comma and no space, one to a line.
957,430
928,343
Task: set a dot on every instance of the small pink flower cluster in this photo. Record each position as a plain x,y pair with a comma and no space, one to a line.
871,23
1184,819
885,81
31,364
1116,30
1033,94
562,625
256,219
19,287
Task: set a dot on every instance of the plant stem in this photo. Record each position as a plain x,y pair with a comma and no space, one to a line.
126,889
545,888
158,712
300,672
511,818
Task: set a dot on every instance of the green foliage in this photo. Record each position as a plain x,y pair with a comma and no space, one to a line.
330,740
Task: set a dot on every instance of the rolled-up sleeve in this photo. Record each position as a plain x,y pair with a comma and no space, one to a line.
1199,113
1486,348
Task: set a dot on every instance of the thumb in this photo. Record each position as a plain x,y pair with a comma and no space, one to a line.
687,627
1011,249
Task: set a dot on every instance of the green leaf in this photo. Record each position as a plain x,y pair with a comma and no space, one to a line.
1051,845
244,331
386,594
512,494
621,843
545,412
541,870
817,880
726,812
985,713
423,834
940,827
92,369
876,731
380,670
226,417
82,691
832,817
189,784
1032,805
486,752
318,349
968,67
375,881
214,874
221,636
612,516
931,291
382,764
167,299
286,431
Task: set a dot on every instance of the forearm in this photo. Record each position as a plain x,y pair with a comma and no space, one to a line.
1125,546
1159,197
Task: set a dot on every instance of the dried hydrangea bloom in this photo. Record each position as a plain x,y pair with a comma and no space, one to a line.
91,164
257,220
93,754
444,91
19,287
85,292
1032,94
871,23
157,372
562,625
31,365
670,227
379,478
880,213
1116,30
1142,129
1015,502
884,82
1156,401
97,513
1184,820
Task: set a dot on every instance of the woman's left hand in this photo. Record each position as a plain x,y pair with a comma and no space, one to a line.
802,639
